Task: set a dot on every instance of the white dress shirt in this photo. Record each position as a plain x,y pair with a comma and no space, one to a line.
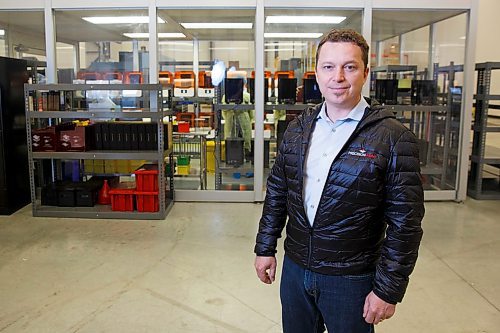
327,140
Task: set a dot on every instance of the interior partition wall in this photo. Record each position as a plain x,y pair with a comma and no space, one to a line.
412,33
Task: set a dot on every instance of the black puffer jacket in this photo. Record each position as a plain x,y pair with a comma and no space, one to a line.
369,214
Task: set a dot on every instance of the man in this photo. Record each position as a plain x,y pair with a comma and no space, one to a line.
347,175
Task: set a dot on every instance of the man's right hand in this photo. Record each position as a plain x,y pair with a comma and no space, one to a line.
265,268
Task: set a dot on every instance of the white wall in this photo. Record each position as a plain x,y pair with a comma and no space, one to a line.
488,46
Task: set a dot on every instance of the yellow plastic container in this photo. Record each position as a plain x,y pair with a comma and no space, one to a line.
211,155
110,166
93,166
183,170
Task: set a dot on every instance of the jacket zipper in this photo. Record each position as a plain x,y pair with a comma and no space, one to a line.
311,230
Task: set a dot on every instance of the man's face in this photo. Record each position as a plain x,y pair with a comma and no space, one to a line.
341,73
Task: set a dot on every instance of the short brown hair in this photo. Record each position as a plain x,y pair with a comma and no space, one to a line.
345,36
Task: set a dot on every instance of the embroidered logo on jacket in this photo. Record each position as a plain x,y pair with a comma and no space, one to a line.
362,153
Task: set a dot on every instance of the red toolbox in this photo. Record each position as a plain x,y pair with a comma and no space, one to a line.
146,178
147,201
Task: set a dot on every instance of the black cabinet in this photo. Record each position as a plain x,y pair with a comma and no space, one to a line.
14,174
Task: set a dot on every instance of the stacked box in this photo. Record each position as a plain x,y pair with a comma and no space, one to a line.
93,166
183,160
183,170
147,201
71,194
122,197
147,188
80,138
147,178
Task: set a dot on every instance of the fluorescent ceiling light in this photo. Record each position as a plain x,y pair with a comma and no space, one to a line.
416,51
176,43
138,35
2,32
217,25
228,48
279,50
451,45
292,35
119,19
305,19
463,37
171,35
285,44
176,50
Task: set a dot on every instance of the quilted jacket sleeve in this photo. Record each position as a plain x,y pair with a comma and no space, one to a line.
404,210
274,212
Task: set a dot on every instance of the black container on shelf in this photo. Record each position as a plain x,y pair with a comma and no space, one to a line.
386,91
66,195
234,151
233,90
287,90
423,92
49,196
311,93
86,194
251,90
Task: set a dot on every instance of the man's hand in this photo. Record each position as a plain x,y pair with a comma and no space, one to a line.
262,265
376,310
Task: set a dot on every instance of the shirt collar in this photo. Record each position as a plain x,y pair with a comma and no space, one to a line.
356,113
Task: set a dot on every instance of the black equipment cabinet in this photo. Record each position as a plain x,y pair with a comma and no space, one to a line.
14,172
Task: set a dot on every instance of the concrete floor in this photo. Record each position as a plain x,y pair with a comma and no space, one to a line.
194,272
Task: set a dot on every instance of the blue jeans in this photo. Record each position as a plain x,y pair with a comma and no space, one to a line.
310,300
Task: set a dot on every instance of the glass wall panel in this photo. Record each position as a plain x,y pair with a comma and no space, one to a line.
3,45
102,45
424,94
213,133
290,41
386,51
22,35
415,48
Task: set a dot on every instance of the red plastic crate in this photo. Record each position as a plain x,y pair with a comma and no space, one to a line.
122,198
146,178
183,126
147,201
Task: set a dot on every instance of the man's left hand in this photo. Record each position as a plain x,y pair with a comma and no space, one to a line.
376,310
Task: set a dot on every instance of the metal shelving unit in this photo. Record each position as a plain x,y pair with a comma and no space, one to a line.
423,122
150,96
222,168
194,145
391,72
484,175
432,124
450,96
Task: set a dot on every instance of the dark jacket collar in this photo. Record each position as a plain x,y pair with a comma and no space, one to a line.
375,113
